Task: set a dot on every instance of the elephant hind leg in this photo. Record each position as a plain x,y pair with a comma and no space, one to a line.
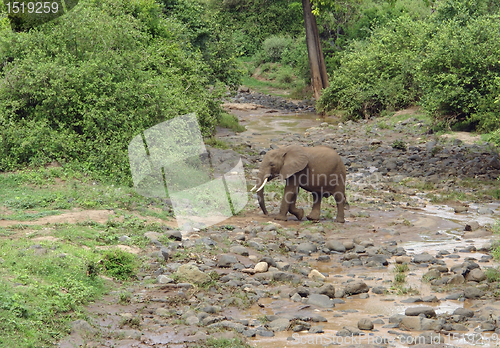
340,200
316,210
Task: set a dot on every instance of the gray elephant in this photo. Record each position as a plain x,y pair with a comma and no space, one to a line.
319,170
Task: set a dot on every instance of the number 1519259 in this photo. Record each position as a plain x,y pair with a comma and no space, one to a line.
32,7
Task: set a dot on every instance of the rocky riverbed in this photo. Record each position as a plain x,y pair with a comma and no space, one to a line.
411,265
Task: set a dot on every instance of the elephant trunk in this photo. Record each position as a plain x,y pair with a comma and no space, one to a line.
260,192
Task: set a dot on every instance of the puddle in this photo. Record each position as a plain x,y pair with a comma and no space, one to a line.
446,212
262,128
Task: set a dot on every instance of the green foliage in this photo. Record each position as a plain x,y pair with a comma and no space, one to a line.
273,47
224,343
448,62
379,73
399,145
119,264
231,122
252,21
460,73
41,292
79,88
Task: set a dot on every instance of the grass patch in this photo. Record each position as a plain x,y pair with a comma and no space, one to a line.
231,122
45,192
222,343
43,287
217,143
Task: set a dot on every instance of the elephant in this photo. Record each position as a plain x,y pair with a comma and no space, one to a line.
319,170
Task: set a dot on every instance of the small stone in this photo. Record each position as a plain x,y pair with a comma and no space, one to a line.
261,267
315,274
472,226
365,324
319,300
163,279
416,311
473,292
226,261
356,287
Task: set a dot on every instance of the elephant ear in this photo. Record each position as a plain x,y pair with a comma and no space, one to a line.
295,160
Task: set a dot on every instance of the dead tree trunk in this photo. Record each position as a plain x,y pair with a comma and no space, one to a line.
319,77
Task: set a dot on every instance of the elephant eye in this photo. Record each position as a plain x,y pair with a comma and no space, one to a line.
271,164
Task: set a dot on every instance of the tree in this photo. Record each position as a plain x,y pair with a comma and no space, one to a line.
319,77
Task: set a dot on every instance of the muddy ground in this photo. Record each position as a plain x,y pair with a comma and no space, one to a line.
298,283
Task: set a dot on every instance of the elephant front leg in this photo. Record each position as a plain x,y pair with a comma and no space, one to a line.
316,209
287,203
298,212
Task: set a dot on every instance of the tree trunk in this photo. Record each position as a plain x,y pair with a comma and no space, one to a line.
319,77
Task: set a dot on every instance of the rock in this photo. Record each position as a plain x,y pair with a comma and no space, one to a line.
335,246
191,273
239,249
261,267
315,274
431,275
302,291
163,279
379,290
211,309
416,311
265,333
316,329
356,287
476,275
280,324
165,253
174,234
456,279
472,226
472,292
423,258
430,298
464,312
319,300
192,320
487,326
296,298
226,261
328,290
365,324
403,259
306,248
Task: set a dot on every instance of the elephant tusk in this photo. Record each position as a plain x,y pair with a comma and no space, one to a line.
253,188
261,186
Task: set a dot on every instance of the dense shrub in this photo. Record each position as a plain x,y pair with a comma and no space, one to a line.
377,73
273,47
78,89
460,72
448,62
252,21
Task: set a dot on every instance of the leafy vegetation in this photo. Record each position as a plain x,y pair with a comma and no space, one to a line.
76,90
445,61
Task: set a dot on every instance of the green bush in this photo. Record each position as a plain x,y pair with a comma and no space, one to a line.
378,73
460,73
252,21
273,48
78,89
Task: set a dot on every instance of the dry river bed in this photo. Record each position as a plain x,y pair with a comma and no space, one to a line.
302,284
